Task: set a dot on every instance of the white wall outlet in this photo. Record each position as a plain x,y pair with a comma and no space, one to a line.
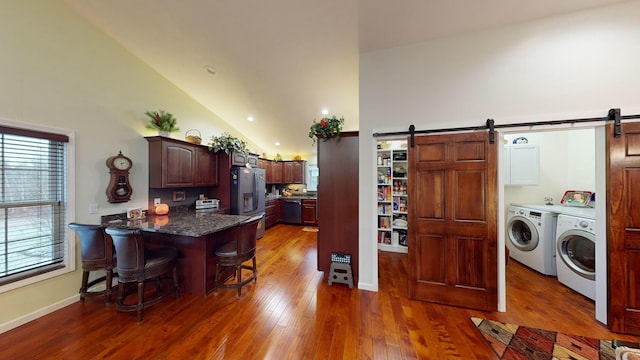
93,208
156,201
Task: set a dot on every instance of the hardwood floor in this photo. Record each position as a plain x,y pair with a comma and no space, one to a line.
291,313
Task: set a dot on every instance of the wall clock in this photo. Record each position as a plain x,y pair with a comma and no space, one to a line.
119,188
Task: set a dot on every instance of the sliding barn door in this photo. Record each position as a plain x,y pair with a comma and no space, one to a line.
453,220
623,229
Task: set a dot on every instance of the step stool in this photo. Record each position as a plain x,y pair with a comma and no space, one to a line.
341,273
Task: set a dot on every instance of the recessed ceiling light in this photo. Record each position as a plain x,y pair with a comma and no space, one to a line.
209,69
277,143
250,118
325,112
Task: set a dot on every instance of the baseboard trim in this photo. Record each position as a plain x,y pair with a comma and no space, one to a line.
9,325
367,286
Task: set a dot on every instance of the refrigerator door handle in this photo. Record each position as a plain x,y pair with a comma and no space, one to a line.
255,191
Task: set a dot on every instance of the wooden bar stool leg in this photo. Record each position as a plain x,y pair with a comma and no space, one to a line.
108,285
140,299
175,282
83,285
239,272
120,300
255,271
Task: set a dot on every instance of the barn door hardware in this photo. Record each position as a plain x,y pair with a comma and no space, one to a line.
492,132
614,114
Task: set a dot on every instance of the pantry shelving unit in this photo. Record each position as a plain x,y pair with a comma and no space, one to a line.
392,196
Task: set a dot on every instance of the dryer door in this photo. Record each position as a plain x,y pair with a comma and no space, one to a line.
577,249
522,233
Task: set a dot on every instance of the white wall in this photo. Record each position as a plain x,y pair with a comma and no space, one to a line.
571,66
61,72
567,161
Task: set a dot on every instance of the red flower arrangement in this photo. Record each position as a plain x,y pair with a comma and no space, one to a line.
326,128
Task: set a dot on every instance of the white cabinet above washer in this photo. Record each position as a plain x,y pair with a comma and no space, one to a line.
522,164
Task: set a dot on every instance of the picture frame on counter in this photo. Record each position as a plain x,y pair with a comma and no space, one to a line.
179,196
135,213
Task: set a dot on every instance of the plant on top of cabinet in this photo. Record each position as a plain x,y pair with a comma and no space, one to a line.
227,143
162,121
327,128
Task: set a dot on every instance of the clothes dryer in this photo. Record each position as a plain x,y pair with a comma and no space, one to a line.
576,254
531,238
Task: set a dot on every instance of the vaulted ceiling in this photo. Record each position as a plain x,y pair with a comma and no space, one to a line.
283,61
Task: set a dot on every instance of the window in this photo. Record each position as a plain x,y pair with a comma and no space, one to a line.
312,177
33,198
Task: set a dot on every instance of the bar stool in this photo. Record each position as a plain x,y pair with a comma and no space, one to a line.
232,254
97,254
137,265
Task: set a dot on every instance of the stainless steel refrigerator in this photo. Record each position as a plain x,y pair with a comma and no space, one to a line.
248,193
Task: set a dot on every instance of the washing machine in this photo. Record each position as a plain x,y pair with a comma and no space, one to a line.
576,254
531,238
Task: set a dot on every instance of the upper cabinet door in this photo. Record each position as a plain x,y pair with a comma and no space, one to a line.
297,172
287,176
277,170
206,167
522,164
178,168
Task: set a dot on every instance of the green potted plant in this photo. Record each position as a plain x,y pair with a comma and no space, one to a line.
326,128
162,121
227,143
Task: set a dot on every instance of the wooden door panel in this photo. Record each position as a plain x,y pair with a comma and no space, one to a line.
430,153
632,177
469,150
623,229
430,186
472,262
452,237
432,248
469,194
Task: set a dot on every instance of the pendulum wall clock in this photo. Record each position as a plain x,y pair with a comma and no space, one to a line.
119,189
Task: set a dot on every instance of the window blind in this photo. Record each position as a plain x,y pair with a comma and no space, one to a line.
32,203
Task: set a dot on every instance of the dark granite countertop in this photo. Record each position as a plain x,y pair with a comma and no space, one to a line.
185,222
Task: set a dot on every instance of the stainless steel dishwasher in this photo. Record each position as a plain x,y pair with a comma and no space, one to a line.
293,211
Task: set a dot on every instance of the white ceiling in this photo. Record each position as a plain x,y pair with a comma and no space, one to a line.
282,61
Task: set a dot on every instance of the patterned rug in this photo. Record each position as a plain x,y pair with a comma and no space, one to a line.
520,342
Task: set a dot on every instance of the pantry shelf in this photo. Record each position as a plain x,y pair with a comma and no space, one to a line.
392,196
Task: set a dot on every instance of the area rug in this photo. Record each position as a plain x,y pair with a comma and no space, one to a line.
520,342
310,229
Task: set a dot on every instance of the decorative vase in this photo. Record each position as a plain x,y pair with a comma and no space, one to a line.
164,133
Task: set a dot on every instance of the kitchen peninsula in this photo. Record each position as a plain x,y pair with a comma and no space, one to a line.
195,233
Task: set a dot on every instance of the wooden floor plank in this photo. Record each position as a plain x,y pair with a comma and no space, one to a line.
292,313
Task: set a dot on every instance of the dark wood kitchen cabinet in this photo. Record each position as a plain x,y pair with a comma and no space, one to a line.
277,171
293,172
338,200
206,167
273,212
297,172
309,212
175,163
240,159
287,175
283,172
266,165
263,164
